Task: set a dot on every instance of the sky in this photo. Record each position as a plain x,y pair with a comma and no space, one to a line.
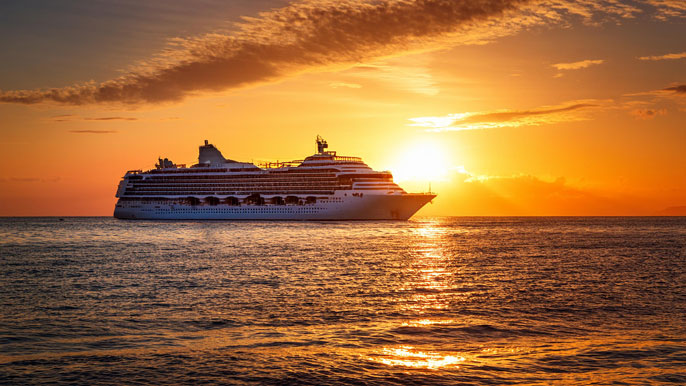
501,107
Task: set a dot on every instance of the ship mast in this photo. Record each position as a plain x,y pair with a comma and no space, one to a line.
321,144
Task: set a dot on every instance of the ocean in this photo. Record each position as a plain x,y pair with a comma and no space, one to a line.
453,301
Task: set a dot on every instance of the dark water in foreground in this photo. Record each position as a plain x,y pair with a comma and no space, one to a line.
429,301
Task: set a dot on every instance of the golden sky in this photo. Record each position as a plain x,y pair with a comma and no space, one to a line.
504,107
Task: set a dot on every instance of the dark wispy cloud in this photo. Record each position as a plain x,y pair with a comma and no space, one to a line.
71,117
63,118
318,35
111,119
93,131
506,118
652,103
674,92
647,113
679,89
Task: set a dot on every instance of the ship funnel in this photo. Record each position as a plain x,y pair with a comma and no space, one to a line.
208,154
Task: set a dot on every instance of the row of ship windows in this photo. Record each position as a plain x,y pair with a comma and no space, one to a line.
244,177
218,193
244,181
219,210
236,170
184,201
245,187
262,176
260,190
258,183
238,180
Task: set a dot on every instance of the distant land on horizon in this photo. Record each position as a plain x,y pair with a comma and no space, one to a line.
672,211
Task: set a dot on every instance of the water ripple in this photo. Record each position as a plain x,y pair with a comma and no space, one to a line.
432,301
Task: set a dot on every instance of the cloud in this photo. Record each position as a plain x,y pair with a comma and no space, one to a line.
504,118
673,211
111,119
647,113
72,117
679,89
93,131
669,8
465,194
675,92
287,41
578,65
410,73
526,194
344,84
63,117
680,55
321,35
649,104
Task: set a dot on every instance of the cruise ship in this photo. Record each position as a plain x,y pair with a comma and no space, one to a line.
323,186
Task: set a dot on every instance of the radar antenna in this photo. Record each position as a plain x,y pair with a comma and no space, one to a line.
321,145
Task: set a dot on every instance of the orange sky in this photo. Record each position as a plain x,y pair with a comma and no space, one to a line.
515,108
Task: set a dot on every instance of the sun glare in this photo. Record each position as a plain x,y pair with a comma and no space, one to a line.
421,162
408,356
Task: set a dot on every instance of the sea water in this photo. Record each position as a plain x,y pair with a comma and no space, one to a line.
476,301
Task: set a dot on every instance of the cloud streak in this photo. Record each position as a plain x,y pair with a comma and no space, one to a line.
680,55
71,117
283,42
409,74
93,131
507,118
679,89
344,85
578,65
647,113
317,35
111,119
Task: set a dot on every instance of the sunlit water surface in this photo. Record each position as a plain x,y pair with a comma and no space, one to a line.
429,301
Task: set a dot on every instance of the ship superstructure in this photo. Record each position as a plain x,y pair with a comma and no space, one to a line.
323,186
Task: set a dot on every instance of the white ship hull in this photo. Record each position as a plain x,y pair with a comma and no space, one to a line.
366,207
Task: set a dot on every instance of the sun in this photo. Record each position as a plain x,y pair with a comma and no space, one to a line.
424,161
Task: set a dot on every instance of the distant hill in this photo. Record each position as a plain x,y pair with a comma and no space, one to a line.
672,211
